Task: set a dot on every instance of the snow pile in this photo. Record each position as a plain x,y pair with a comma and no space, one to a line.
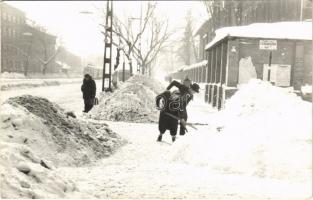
264,131
11,75
306,92
133,102
44,125
38,136
25,175
9,84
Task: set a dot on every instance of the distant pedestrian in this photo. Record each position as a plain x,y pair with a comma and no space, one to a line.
89,92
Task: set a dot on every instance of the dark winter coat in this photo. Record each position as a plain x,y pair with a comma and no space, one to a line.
167,122
184,97
89,89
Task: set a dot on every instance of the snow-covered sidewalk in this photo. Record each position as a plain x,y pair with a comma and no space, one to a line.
203,164
255,149
143,169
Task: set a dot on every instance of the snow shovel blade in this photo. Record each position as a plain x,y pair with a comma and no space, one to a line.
184,124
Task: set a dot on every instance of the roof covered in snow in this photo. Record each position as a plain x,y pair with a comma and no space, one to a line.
195,65
278,30
203,25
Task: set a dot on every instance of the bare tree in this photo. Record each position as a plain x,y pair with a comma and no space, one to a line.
157,35
45,60
187,48
126,38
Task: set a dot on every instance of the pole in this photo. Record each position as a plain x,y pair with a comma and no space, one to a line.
123,71
269,67
138,70
111,24
104,54
107,58
301,10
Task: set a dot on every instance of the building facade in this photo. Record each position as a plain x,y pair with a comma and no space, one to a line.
25,47
73,61
13,43
240,12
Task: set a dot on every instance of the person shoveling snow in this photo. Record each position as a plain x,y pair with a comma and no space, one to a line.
173,108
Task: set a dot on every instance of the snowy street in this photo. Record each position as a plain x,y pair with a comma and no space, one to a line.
145,169
67,96
208,99
142,170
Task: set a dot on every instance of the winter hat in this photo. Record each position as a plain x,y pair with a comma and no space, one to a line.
195,87
87,76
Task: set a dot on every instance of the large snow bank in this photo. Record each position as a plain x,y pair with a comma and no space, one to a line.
47,126
133,102
36,137
264,131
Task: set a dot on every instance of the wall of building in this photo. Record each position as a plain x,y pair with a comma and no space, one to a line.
75,62
238,13
42,46
13,44
22,45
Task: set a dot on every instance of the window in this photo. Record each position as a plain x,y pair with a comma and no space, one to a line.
4,16
13,33
9,18
4,32
9,32
13,19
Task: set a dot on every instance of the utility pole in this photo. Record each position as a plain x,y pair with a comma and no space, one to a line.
301,10
138,69
108,46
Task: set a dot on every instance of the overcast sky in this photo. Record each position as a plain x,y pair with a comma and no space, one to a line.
80,32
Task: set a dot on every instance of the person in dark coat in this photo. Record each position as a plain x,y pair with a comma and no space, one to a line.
175,104
89,92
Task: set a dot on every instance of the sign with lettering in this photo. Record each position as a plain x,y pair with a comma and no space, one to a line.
268,44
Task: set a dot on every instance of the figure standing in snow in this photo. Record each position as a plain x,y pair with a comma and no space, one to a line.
175,104
89,92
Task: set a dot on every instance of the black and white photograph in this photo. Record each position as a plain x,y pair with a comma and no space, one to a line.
203,99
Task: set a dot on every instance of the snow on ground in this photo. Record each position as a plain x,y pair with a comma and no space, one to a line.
134,101
220,160
265,133
14,75
68,96
10,84
38,136
256,149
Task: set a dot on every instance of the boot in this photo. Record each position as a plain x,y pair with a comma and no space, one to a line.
173,138
159,138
